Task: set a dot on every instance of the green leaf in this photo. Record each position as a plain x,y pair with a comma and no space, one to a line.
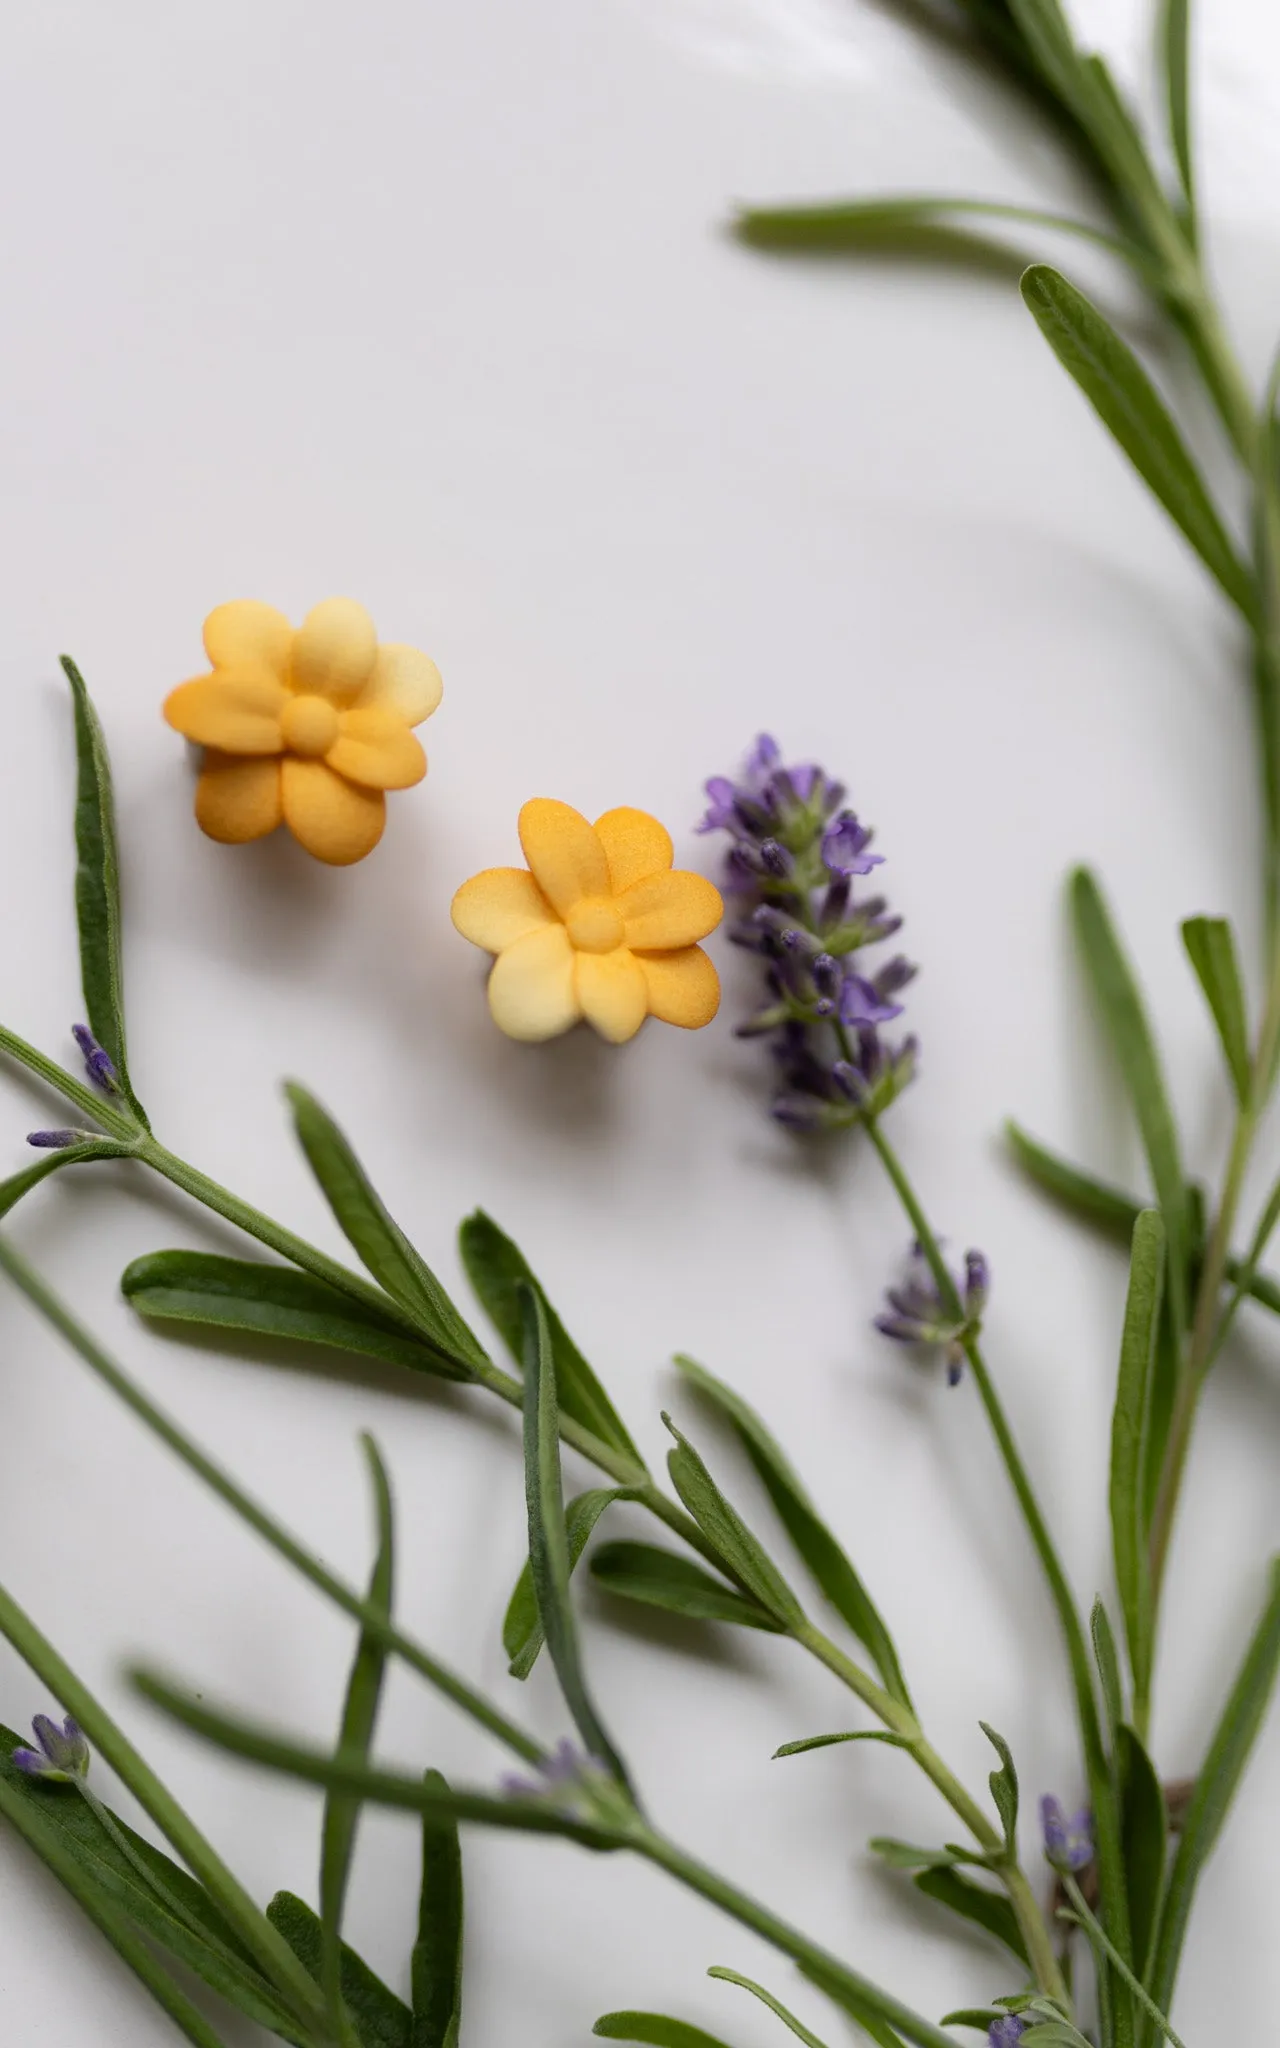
735,1546
1211,949
1104,1652
979,2016
654,2030
910,222
1004,1787
362,1781
522,1636
374,1234
498,1271
273,1301
548,1542
1130,1440
908,1855
819,1549
21,1183
988,1910
437,1953
868,2011
1108,1209
1144,1824
382,2020
1043,27
1215,1787
1129,406
189,1924
1164,1393
1174,46
359,1718
98,888
853,1735
662,1578
788,2019
1125,1017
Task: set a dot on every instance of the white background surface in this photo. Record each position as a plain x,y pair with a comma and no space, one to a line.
432,305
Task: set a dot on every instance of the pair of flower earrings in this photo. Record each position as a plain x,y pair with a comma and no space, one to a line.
309,727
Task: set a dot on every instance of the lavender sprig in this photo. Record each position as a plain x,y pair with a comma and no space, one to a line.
918,1314
796,853
62,1755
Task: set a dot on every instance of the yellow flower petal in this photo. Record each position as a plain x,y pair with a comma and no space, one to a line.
636,846
376,747
334,650
531,990
236,799
670,910
249,635
613,993
567,858
683,986
404,680
336,821
502,905
240,714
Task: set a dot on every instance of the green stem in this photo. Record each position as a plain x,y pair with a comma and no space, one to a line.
273,1953
1098,1937
98,1106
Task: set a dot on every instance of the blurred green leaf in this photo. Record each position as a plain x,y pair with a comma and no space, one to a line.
1211,949
819,1549
1109,1209
382,2020
788,2019
911,223
1130,1440
1108,1663
498,1271
1144,1826
522,1636
989,1910
854,1735
1004,1787
663,1578
1175,27
1129,406
653,2030
437,1952
21,1183
273,1301
737,1549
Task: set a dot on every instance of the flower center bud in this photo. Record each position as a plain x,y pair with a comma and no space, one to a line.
309,725
594,925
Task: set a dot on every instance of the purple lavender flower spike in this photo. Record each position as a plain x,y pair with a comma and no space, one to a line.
862,1003
98,1064
1004,2032
844,847
917,1313
63,1754
1068,1844
762,760
720,815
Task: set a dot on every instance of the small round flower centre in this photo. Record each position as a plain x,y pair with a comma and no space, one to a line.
594,925
309,725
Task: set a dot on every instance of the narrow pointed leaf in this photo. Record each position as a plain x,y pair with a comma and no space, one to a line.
1108,1209
910,222
21,1183
1004,1787
910,1855
522,1636
808,1742
273,1301
498,1271
1126,401
1211,949
1175,35
1108,1663
437,1952
1216,1785
375,1235
98,888
548,1542
663,1578
1125,1017
382,2020
823,1556
1130,1439
788,2019
359,1719
653,2030
988,1910
738,1550
1144,1827
1043,27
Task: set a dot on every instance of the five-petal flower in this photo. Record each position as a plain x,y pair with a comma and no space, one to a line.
308,728
600,926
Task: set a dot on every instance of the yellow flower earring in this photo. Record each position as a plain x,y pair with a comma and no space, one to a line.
306,728
600,926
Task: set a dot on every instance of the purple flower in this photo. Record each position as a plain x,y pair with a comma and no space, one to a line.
919,1314
54,1141
844,847
1068,1844
1004,2032
98,1065
568,1780
63,1755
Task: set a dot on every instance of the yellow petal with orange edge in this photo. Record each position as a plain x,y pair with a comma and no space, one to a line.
334,651
334,819
670,910
531,990
636,846
683,986
376,748
502,905
239,714
249,635
404,680
613,993
564,852
238,799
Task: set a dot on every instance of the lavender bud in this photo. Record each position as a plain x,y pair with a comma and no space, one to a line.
98,1064
54,1141
775,859
1068,1844
1006,2031
63,1754
844,847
